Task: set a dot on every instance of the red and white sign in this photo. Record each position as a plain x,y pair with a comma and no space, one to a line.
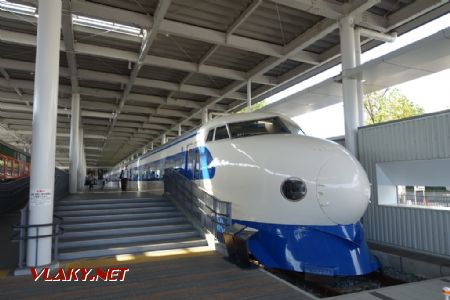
41,197
80,274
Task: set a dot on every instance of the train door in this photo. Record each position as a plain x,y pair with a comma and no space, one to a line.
192,162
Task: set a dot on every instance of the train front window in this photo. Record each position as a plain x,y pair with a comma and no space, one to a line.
210,136
221,133
257,127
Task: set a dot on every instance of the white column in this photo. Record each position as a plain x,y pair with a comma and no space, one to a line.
81,161
74,154
163,139
151,146
349,85
359,82
179,130
249,96
45,105
204,115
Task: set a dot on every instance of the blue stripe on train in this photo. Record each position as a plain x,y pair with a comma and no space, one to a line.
183,162
339,250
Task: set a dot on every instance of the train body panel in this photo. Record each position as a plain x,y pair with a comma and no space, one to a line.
304,195
14,164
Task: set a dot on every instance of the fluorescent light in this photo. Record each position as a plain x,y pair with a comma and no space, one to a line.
105,25
17,8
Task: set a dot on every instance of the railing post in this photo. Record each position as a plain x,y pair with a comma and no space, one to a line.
55,244
200,207
22,241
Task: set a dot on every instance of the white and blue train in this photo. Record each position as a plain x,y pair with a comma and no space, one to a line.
304,195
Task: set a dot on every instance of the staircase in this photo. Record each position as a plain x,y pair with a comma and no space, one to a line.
107,227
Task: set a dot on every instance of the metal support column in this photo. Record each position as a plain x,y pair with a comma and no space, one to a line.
45,105
359,79
349,85
179,130
81,161
163,139
151,146
204,115
74,154
249,96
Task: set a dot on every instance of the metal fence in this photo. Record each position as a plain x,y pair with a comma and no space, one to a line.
207,211
424,138
24,232
21,234
428,199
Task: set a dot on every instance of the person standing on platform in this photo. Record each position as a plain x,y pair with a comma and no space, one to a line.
91,182
124,178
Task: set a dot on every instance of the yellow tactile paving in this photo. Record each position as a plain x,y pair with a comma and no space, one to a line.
4,273
137,258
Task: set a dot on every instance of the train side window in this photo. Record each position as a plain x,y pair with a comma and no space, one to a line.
15,168
210,136
2,166
221,133
8,167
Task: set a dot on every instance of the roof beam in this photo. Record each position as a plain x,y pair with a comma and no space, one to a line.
150,60
316,32
182,29
412,11
8,78
114,78
335,10
90,112
311,35
241,19
333,53
158,84
149,38
324,8
395,20
68,36
243,16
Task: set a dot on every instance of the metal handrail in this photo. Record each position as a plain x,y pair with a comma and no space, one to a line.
21,235
206,210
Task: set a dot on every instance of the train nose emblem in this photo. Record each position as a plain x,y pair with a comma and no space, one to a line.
293,189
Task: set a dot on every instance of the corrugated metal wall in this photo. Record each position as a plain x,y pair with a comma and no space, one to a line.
427,137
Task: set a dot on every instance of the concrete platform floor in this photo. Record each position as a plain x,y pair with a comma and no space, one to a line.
422,290
204,275
420,265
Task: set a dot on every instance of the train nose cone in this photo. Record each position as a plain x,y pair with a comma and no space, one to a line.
343,190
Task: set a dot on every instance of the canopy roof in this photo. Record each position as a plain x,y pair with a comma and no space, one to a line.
144,68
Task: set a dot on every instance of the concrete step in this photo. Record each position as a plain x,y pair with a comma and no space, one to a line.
117,240
116,211
112,205
131,248
120,217
108,201
99,233
121,224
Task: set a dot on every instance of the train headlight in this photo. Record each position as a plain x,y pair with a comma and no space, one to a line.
293,189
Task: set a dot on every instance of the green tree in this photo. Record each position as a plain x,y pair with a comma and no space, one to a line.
255,106
387,105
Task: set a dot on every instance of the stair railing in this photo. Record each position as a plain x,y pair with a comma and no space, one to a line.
21,234
207,211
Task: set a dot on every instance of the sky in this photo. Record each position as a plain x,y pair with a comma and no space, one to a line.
431,92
